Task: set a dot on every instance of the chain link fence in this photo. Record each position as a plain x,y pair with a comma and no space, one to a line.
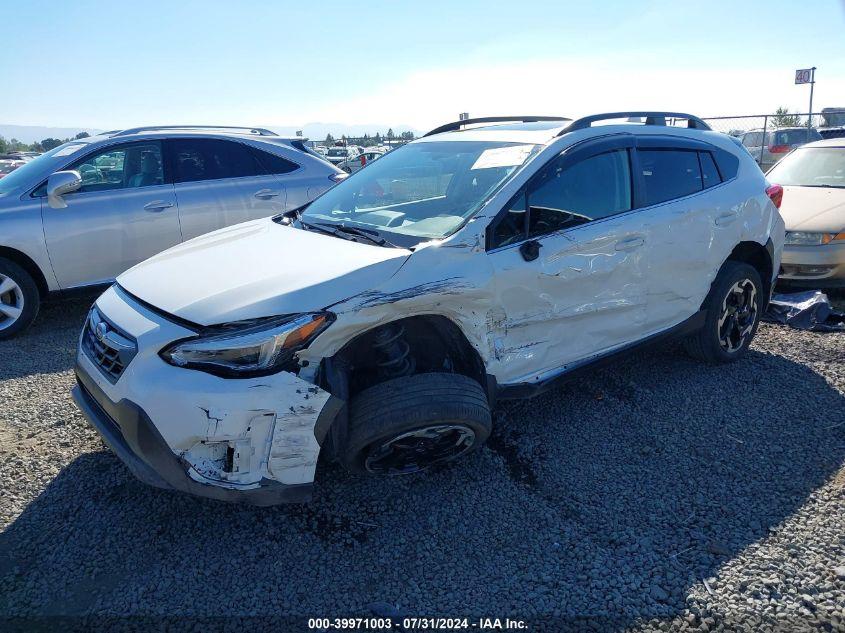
768,136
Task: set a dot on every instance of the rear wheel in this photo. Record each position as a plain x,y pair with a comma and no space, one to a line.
733,314
409,424
19,299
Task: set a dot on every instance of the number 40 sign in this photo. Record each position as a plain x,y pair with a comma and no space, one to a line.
804,76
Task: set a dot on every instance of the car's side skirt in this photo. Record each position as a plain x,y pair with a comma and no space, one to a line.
576,370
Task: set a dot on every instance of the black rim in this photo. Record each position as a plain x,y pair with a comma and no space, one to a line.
739,313
420,449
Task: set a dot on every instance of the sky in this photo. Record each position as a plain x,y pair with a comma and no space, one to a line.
414,64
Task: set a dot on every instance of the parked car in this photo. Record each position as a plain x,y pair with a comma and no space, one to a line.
813,209
7,166
380,323
340,153
351,165
21,156
87,210
769,147
833,123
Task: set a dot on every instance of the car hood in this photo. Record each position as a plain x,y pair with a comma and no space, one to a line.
813,209
258,269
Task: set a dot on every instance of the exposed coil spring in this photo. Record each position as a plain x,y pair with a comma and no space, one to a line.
394,351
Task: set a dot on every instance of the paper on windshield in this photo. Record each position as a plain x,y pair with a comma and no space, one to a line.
503,157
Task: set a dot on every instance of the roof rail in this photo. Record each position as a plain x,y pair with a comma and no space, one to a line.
651,118
152,128
457,125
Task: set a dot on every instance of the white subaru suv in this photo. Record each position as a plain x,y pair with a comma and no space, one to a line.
380,323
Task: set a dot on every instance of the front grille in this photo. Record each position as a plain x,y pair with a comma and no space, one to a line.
108,347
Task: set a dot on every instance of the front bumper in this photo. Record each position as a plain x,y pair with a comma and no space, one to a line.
132,436
820,266
252,440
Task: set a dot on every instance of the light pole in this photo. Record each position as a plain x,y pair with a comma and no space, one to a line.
812,85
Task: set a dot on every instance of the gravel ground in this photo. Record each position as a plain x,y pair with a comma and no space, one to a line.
660,493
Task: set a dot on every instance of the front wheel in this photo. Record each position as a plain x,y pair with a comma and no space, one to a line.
733,307
410,424
19,299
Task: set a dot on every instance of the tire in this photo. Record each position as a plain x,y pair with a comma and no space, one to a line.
443,416
710,343
19,299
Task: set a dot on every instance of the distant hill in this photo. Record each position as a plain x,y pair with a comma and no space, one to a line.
35,133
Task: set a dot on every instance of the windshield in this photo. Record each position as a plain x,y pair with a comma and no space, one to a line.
45,164
339,151
811,167
422,190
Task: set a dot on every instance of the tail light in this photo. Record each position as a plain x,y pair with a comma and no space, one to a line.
336,178
775,193
779,149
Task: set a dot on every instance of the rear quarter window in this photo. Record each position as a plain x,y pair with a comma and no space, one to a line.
727,163
274,164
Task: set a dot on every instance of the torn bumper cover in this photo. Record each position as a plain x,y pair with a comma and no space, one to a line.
132,436
250,440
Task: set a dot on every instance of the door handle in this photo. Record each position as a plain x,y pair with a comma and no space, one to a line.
726,218
630,244
157,205
266,194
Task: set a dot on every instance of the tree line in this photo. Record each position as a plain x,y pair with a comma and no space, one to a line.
14,145
367,140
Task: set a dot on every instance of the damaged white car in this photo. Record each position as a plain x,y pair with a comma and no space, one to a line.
379,324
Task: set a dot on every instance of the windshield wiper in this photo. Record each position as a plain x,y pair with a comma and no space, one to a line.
367,234
324,228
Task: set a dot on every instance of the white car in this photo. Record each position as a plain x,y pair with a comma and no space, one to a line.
379,324
360,161
340,153
813,180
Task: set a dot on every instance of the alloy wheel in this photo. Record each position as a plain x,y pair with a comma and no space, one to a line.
11,301
738,316
420,449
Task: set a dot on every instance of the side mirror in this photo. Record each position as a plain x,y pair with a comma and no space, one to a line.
530,250
60,183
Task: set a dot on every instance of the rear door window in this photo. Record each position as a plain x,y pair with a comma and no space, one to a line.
669,174
196,159
709,172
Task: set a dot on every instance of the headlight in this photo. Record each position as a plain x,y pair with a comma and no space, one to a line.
249,348
800,238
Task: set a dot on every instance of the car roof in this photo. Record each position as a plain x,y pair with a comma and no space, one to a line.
539,132
786,128
827,142
545,130
256,133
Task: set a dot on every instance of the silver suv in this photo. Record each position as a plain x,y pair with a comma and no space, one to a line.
768,147
88,210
